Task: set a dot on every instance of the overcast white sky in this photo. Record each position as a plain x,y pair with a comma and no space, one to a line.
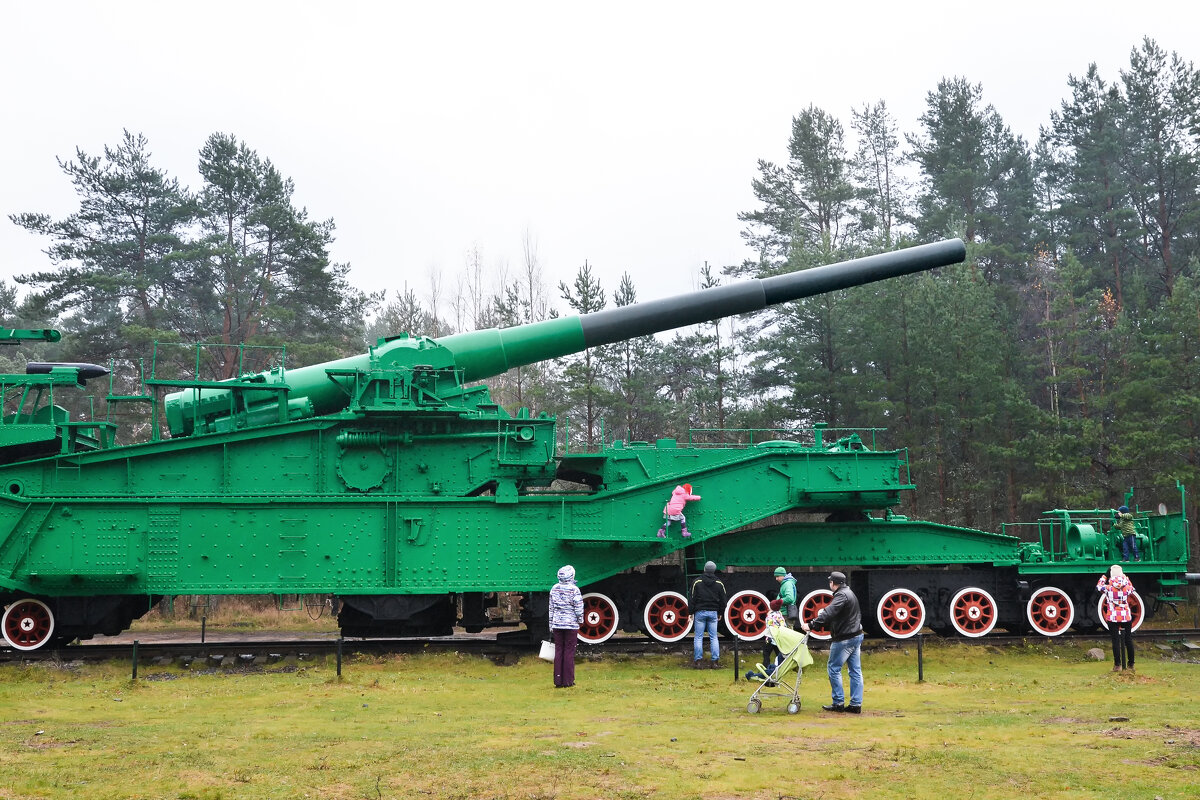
623,133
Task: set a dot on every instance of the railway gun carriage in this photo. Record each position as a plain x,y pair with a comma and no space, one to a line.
392,480
1038,577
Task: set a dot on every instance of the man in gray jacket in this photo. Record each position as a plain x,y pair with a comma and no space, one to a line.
843,620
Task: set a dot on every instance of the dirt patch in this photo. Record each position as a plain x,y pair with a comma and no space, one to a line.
42,743
1182,737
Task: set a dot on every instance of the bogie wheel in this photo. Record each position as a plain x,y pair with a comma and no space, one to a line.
666,617
1050,611
793,708
599,618
900,613
973,612
27,624
1135,607
754,706
746,615
811,605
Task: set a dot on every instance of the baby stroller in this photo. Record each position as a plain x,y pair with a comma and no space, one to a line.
778,680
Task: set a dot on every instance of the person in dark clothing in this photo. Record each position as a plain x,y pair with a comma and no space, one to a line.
843,619
707,602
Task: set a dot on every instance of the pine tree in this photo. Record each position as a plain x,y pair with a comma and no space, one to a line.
262,274
1162,157
583,390
117,282
631,369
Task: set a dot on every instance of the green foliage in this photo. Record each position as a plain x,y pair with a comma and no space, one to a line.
637,411
145,259
581,387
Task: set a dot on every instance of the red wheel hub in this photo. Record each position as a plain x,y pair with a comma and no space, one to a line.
973,612
1050,611
746,615
811,605
27,624
599,619
666,617
900,613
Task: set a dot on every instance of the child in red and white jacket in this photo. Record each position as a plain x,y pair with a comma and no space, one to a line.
673,510
1117,590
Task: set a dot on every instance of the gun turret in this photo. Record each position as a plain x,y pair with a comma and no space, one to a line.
331,387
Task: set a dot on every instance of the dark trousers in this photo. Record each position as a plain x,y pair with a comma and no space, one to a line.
1122,643
1129,545
564,656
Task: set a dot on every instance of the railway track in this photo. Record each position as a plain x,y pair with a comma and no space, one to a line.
249,653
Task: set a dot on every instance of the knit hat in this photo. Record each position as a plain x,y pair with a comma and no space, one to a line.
687,487
838,578
780,572
1123,510
776,604
710,568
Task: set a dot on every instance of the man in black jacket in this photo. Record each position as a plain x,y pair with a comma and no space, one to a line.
707,602
843,620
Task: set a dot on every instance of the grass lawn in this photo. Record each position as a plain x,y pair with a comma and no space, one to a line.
1025,721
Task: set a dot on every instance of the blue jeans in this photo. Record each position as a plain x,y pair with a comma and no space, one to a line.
849,653
705,621
1129,543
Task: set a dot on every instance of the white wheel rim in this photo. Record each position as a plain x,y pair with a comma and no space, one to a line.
1138,618
813,594
901,613
594,616
26,623
746,616
974,613
668,616
1050,612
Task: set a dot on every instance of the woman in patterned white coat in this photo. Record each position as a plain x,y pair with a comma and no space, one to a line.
566,615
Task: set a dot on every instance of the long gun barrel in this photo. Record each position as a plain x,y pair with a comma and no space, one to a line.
324,388
482,354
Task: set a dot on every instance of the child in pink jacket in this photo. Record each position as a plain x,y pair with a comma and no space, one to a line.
673,510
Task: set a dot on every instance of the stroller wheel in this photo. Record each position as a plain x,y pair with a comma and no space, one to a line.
754,706
794,708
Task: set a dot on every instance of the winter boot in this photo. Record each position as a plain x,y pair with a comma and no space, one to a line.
662,533
686,534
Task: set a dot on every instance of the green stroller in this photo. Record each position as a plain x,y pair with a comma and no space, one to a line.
782,679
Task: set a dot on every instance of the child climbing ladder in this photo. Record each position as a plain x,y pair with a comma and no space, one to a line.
673,510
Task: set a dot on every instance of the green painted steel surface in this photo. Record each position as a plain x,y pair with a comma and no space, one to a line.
329,506
870,543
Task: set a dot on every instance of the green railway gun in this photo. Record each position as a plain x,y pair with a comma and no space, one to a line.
392,480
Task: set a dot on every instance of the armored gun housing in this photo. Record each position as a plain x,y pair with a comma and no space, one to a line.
389,480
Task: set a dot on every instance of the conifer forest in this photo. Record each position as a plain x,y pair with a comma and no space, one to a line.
1058,367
